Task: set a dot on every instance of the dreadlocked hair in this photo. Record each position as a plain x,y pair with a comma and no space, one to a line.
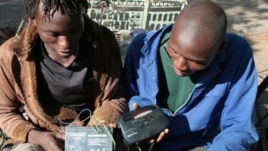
51,6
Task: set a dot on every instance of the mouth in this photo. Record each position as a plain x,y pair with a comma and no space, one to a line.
66,53
180,72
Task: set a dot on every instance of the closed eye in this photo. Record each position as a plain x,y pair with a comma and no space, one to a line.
171,52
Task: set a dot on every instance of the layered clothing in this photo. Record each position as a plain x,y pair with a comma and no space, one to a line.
218,113
20,107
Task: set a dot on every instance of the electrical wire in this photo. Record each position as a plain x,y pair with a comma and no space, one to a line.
63,124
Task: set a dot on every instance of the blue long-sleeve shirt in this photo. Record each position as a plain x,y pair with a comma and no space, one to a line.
218,113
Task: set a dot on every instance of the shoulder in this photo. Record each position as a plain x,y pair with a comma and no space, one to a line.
151,36
96,30
237,41
8,47
137,43
140,38
143,38
238,45
237,53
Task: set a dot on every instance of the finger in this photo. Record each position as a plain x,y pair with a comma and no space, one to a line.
135,106
151,141
162,135
54,149
60,136
166,130
113,125
52,146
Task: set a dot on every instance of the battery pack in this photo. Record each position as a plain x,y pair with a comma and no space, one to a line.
88,138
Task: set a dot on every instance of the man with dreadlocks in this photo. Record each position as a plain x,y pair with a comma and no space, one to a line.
62,63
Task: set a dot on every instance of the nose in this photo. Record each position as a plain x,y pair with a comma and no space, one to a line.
64,42
180,64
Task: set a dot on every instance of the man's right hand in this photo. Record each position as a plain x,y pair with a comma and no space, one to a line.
47,140
161,136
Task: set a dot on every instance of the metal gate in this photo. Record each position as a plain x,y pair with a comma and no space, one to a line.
123,16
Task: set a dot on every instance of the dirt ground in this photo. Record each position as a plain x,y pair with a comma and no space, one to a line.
259,43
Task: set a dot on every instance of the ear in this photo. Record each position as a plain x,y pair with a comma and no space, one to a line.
34,21
222,45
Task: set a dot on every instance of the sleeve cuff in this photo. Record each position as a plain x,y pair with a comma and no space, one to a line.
20,134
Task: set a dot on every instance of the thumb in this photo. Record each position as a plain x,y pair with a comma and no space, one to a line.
60,136
135,106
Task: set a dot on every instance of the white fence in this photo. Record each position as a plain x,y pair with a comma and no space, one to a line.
122,16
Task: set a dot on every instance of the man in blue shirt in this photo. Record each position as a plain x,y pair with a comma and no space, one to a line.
203,79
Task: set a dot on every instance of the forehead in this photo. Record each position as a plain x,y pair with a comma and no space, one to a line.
192,38
54,11
192,44
60,23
